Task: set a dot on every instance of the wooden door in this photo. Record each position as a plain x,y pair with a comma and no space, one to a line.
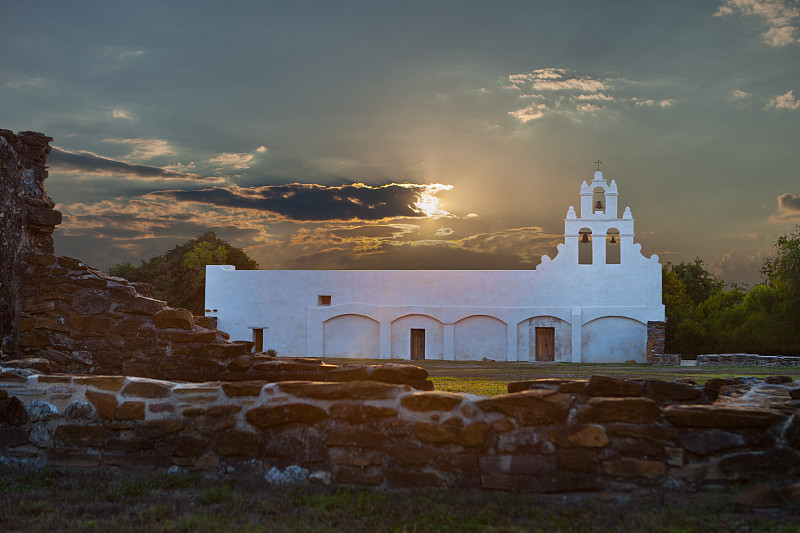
545,344
417,344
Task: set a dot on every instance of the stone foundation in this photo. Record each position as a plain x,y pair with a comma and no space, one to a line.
746,359
600,434
656,337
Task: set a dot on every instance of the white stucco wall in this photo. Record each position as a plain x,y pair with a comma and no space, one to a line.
465,314
401,336
351,336
614,340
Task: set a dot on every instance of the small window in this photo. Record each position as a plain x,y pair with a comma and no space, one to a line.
324,299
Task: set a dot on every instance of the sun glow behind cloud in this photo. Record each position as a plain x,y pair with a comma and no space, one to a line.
429,204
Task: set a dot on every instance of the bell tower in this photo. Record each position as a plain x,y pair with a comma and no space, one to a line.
599,236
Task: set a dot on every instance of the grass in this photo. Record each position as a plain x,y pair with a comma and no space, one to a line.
490,378
46,501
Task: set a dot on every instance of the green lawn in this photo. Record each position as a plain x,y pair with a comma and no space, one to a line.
491,378
48,501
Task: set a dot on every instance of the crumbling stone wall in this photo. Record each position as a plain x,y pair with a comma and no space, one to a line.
746,359
600,434
26,213
656,342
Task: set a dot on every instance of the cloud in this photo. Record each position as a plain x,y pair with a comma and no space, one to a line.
574,95
780,16
311,202
554,79
89,163
740,95
784,101
235,161
144,149
593,97
121,113
788,209
261,149
741,265
650,103
531,112
443,232
22,81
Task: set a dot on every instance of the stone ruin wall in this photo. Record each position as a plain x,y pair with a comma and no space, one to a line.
551,436
60,315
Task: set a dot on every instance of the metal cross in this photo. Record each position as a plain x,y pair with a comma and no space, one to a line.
598,164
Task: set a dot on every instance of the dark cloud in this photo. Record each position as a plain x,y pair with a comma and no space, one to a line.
90,163
311,202
789,203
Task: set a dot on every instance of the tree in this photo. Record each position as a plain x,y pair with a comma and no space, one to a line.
178,276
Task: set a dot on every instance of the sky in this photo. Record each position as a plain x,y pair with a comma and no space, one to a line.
417,134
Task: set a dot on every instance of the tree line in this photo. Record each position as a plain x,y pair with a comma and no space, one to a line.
703,315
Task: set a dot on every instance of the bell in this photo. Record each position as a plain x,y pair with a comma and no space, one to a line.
598,205
585,238
613,239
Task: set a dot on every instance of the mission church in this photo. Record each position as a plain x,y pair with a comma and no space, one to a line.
590,304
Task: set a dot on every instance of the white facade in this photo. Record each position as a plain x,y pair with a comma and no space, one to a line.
591,303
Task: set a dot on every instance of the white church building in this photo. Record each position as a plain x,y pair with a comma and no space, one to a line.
590,304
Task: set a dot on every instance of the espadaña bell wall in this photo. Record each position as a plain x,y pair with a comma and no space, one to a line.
599,434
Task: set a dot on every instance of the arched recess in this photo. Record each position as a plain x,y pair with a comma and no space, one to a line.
598,200
613,255
536,343
613,339
480,336
351,336
401,336
584,246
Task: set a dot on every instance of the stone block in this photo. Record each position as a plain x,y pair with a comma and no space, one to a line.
347,373
299,445
294,413
356,456
630,467
354,390
579,437
106,404
409,453
12,412
771,464
130,411
532,407
721,417
471,435
236,443
90,302
431,401
121,293
106,383
402,478
153,429
358,413
11,436
129,444
397,373
577,386
83,436
633,410
197,335
170,318
243,388
712,441
141,306
713,386
147,389
576,460
613,387
41,259
670,391
360,438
